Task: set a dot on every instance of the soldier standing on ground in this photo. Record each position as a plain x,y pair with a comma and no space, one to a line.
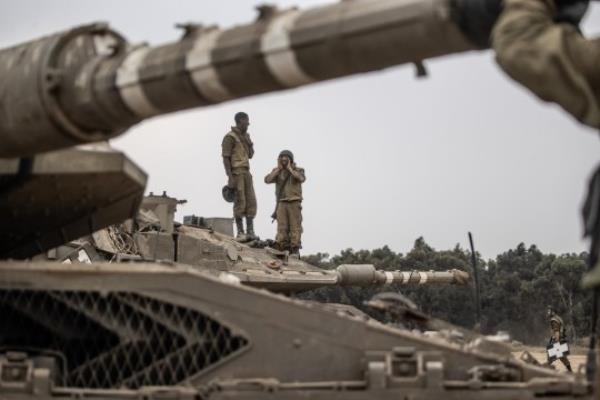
557,334
288,179
237,150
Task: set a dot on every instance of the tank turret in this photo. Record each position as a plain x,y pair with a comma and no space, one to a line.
153,236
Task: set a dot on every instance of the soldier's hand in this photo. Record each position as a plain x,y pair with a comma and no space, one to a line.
570,11
476,18
231,181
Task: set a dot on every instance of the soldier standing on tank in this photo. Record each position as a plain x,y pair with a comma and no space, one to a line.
237,150
557,334
288,179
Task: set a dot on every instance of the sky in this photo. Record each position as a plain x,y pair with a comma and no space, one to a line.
388,157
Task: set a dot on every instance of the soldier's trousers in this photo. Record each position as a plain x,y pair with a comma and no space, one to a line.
289,225
565,361
245,199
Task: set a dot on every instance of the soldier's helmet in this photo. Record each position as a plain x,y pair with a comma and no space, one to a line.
287,154
228,194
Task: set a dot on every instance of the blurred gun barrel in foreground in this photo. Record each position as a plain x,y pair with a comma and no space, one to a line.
88,84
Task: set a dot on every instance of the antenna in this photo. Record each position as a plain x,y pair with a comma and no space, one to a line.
476,278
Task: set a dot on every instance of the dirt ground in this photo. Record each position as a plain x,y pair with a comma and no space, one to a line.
576,358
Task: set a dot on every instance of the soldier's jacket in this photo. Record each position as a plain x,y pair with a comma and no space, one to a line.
292,191
239,147
553,60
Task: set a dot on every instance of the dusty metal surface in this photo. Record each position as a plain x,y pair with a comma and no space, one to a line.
56,197
126,326
252,263
103,322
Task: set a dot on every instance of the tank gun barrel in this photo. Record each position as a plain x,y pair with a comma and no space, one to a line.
367,275
362,275
88,84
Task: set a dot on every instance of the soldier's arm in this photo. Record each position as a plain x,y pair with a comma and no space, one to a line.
271,176
227,165
250,146
298,174
226,150
553,60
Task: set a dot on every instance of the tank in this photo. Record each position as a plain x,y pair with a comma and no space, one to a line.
154,236
155,329
88,84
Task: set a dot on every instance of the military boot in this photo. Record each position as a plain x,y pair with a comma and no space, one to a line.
568,366
250,227
239,223
295,252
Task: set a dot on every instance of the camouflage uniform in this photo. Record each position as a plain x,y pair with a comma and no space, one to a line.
551,59
238,147
557,333
289,208
559,65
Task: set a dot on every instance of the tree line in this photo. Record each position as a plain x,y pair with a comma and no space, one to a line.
516,287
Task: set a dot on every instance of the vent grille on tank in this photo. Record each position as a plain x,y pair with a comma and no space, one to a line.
114,340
